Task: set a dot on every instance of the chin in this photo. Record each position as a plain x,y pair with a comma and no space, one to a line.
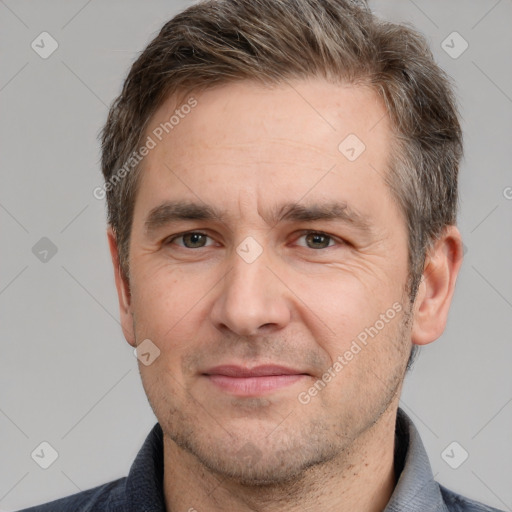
268,463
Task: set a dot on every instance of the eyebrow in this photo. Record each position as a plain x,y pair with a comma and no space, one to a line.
174,211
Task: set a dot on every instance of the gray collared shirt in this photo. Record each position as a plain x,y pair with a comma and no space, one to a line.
416,489
142,489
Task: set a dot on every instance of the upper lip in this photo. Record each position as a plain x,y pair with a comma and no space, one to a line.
230,370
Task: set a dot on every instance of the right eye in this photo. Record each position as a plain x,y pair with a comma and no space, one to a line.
190,240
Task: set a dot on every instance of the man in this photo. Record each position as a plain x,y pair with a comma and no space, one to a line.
281,180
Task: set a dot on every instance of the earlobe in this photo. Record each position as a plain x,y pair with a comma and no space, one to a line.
123,289
437,286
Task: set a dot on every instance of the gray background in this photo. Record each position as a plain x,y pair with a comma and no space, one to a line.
68,377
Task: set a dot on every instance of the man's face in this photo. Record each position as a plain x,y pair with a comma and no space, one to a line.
268,288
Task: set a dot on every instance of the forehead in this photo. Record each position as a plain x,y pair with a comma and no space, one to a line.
244,139
308,114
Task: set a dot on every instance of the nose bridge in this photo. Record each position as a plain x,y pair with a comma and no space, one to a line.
251,296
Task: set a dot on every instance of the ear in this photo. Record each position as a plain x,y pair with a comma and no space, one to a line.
435,291
123,290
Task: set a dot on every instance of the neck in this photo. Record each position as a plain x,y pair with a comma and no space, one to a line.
360,479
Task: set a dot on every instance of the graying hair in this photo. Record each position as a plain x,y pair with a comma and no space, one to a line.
215,42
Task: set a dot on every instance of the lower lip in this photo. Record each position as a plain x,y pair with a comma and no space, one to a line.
253,386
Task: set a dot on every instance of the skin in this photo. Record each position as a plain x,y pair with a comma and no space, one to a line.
246,149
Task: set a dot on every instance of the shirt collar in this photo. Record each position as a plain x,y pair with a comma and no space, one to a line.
415,491
145,481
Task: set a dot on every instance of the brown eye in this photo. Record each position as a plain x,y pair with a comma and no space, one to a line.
317,240
192,240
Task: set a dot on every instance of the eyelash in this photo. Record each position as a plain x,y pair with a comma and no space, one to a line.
302,233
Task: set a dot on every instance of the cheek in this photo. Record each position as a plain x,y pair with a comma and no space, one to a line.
164,308
342,304
171,308
369,356
360,331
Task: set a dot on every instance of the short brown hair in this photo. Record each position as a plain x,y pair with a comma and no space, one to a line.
215,42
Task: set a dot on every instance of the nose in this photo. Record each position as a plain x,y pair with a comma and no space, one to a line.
251,299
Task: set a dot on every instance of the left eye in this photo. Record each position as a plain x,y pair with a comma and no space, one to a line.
317,240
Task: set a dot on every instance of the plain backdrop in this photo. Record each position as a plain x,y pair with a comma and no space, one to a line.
68,377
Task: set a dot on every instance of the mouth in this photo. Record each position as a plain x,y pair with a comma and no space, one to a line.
250,382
